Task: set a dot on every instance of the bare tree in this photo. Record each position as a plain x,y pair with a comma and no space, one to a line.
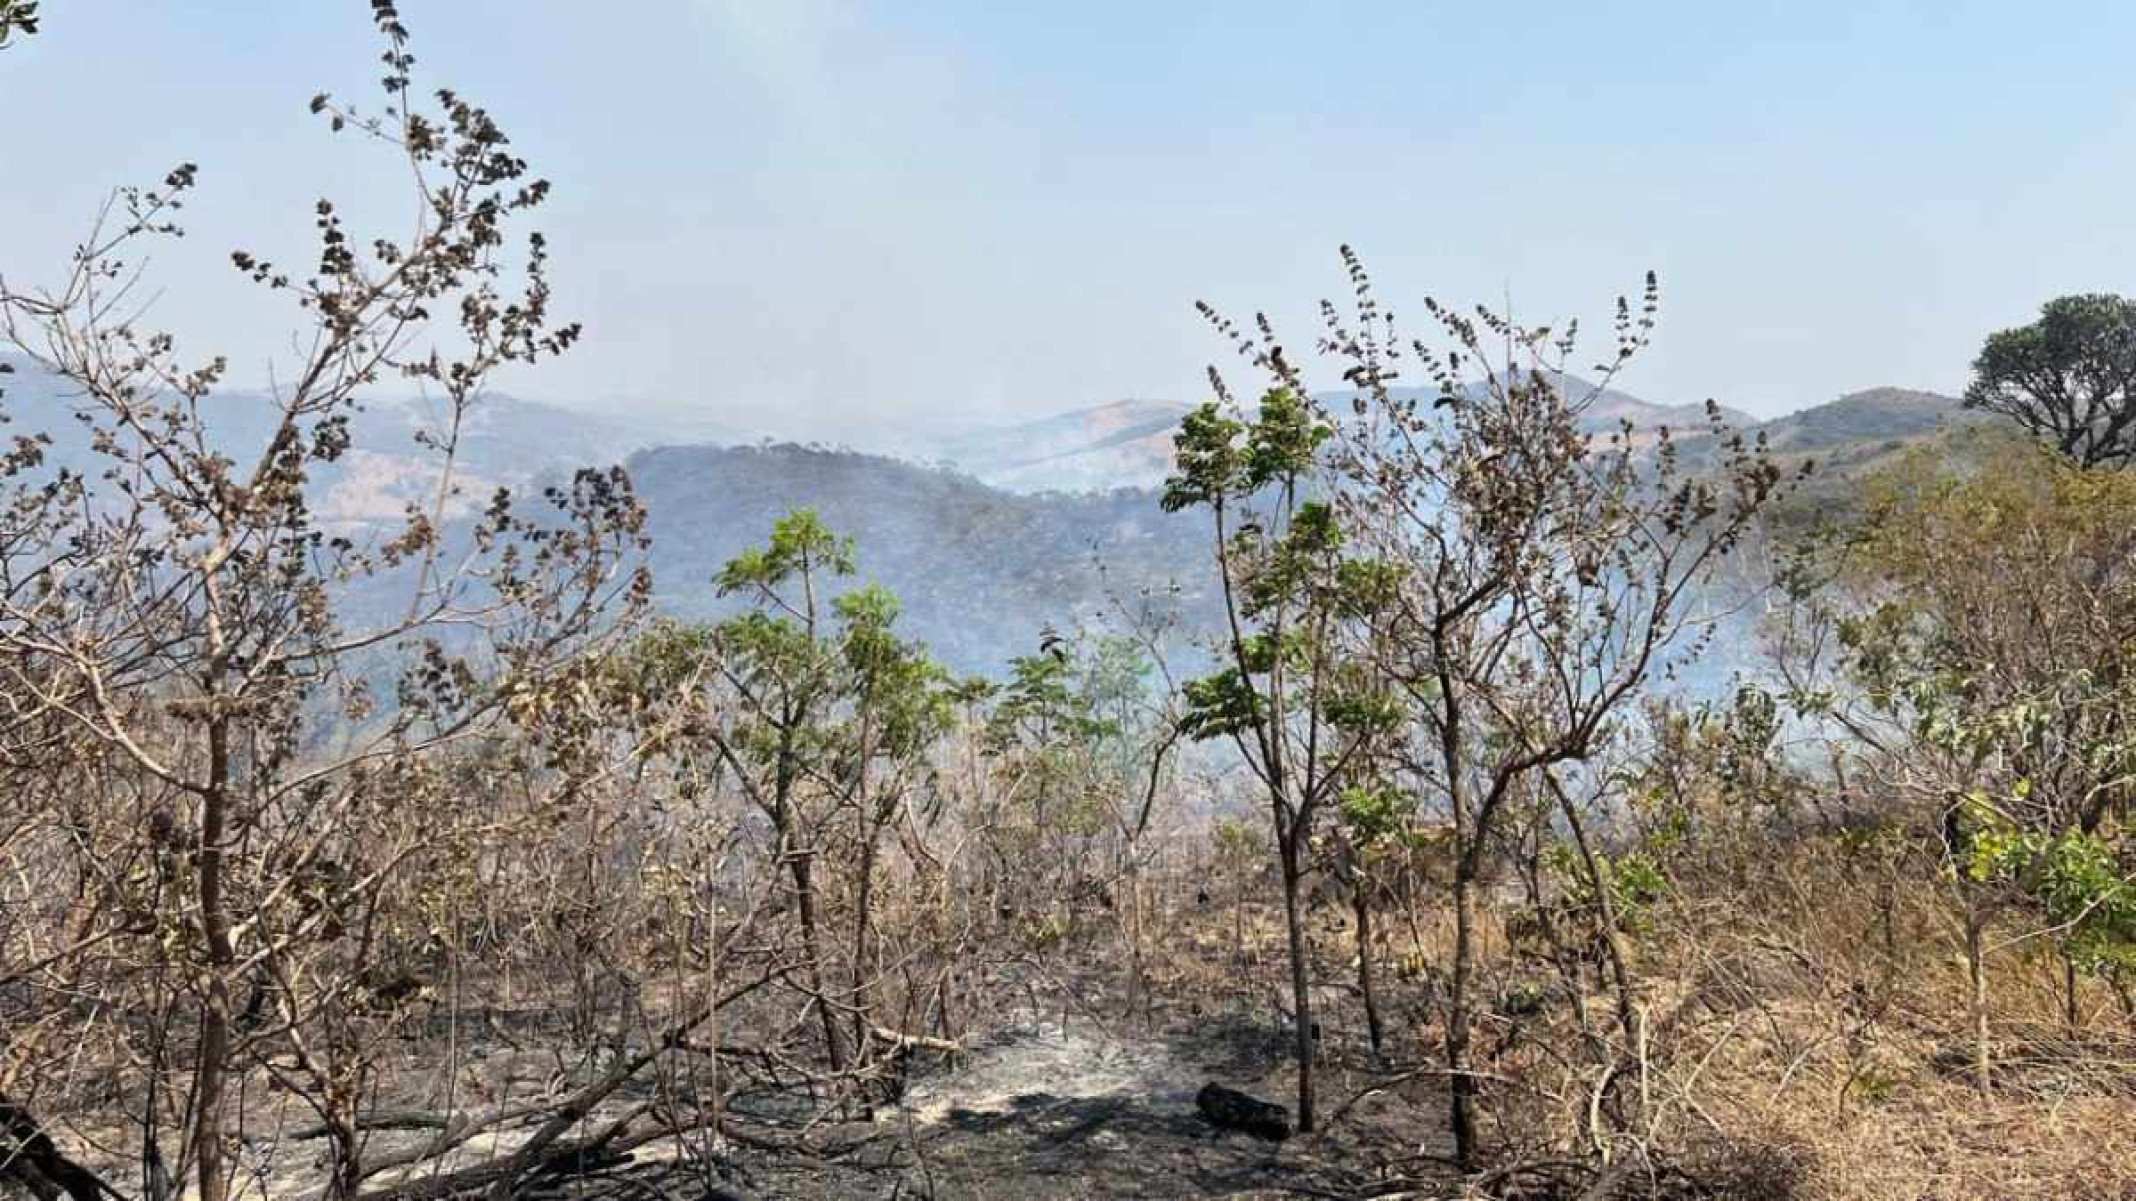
219,656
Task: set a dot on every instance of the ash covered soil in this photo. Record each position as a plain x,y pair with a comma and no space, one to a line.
1059,1108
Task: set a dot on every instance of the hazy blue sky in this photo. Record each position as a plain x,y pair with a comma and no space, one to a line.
808,215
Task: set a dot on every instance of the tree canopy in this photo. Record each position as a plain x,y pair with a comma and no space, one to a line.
2068,378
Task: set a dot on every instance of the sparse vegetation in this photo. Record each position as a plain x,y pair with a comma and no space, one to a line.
449,852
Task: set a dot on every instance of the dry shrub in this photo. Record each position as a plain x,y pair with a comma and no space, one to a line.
1821,1008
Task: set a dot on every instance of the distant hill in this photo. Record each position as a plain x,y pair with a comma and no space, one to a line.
1608,409
1847,439
505,441
979,569
1046,521
1127,443
1878,417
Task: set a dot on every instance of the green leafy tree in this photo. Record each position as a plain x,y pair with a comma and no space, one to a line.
1081,738
779,666
2068,378
1288,695
1045,735
898,704
1376,820
828,724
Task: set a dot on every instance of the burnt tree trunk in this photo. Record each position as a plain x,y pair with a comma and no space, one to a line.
211,1070
1461,1083
812,951
1361,900
1976,960
1301,983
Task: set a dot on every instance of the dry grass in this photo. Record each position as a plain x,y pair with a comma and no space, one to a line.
1833,1050
1802,1048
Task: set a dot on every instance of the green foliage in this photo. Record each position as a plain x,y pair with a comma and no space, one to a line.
664,658
904,696
1714,780
1360,705
1221,705
1635,881
1237,842
1994,633
1295,565
1043,700
1376,813
2076,878
1365,588
1873,1086
1995,625
1749,735
1219,459
1282,445
972,691
801,547
824,695
2068,378
1209,460
1294,579
1074,726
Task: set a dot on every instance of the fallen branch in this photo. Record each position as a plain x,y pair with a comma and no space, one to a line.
543,1152
385,1119
557,1158
915,1042
581,1104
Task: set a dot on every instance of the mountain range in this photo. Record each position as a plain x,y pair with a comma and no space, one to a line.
504,442
1125,444
987,534
1128,443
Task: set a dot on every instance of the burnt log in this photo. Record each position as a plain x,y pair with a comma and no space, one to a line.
1233,1110
29,1158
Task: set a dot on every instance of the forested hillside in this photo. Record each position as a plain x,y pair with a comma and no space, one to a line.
979,568
978,571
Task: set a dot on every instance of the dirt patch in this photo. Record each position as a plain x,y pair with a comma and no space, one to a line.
1046,1112
1026,1062
1042,1111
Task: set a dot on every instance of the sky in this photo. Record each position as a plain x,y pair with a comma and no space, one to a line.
827,219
